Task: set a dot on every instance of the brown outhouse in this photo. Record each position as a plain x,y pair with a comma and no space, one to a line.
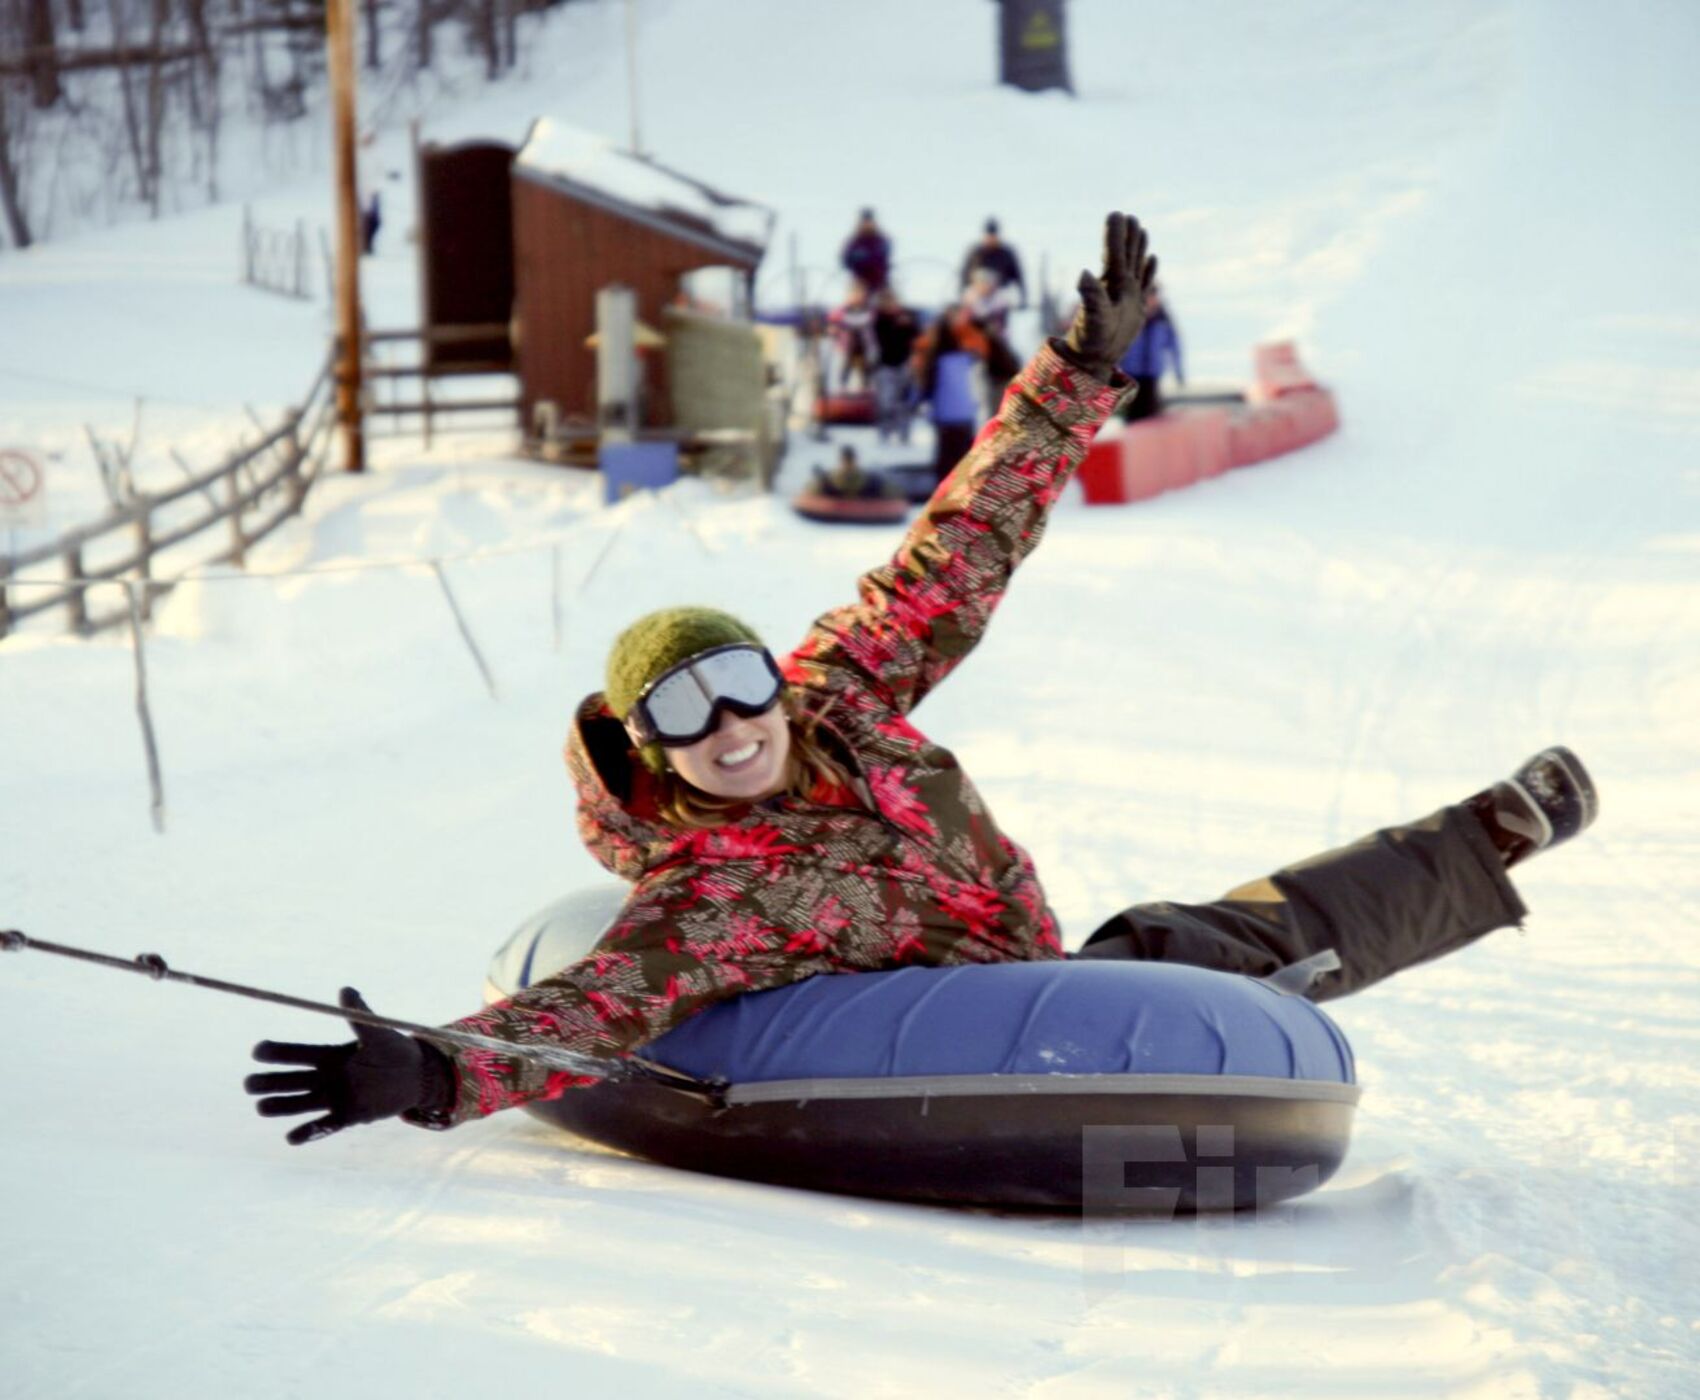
466,256
587,215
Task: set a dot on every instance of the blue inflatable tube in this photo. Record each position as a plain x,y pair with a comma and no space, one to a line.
1101,1085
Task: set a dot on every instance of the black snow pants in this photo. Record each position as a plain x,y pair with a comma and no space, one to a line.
1397,897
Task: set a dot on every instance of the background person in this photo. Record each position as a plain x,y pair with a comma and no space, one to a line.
895,331
866,255
992,254
1157,348
951,356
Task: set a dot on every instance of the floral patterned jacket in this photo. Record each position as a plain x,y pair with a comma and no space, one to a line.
909,868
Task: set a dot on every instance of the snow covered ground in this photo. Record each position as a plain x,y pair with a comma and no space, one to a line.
1476,219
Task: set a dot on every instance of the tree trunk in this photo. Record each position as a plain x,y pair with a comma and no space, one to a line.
127,95
423,58
489,38
156,102
211,114
42,41
11,193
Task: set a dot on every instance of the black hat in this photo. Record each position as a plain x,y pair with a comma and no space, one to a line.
991,225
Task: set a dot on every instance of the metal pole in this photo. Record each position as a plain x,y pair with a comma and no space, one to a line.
339,38
632,75
152,965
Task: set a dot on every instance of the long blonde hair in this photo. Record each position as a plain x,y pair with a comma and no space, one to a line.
809,762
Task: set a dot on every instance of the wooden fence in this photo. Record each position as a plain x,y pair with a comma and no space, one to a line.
251,494
443,341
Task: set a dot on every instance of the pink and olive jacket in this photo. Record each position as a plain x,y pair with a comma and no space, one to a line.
907,867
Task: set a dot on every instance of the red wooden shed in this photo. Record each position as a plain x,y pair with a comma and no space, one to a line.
587,215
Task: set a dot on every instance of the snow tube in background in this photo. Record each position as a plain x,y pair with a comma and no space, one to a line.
826,509
1109,1086
851,407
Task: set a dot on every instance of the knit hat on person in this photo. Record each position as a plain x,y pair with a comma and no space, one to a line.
657,642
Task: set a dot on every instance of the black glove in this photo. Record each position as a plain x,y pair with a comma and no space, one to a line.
377,1075
1112,311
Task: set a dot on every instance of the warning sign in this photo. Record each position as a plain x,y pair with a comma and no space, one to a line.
1041,33
23,489
1033,45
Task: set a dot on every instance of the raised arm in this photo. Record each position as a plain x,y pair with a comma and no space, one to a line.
920,614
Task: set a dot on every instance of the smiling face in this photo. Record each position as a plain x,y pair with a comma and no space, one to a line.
744,760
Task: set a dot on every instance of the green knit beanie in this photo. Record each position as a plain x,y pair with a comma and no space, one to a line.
658,641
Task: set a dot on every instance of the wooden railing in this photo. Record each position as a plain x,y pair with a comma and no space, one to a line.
426,407
250,493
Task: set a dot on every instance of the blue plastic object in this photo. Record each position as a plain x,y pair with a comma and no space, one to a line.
636,466
1012,1018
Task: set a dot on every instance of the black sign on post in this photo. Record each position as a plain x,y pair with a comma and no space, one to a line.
1033,45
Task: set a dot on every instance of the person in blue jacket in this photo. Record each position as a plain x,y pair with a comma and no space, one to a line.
1158,348
949,354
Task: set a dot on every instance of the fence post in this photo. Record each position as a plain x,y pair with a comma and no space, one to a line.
296,487
144,562
76,597
238,540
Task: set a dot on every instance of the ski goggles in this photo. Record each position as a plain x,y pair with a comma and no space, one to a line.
683,705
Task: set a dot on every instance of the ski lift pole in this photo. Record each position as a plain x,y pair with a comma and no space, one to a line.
154,966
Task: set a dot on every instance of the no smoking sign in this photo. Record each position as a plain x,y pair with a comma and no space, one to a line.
23,489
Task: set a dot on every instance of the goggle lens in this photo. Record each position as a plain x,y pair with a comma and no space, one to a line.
682,706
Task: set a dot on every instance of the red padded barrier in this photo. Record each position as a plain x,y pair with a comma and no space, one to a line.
1210,440
1251,437
1165,447
1286,432
1286,409
1278,370
1142,474
1101,472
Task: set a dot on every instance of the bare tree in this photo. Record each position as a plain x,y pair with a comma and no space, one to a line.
424,18
14,162
155,111
41,44
134,108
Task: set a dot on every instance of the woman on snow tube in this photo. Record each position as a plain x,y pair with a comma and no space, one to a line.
780,819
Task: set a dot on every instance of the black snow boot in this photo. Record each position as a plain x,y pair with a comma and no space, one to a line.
1548,800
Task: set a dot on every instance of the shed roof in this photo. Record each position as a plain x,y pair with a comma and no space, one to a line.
591,168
